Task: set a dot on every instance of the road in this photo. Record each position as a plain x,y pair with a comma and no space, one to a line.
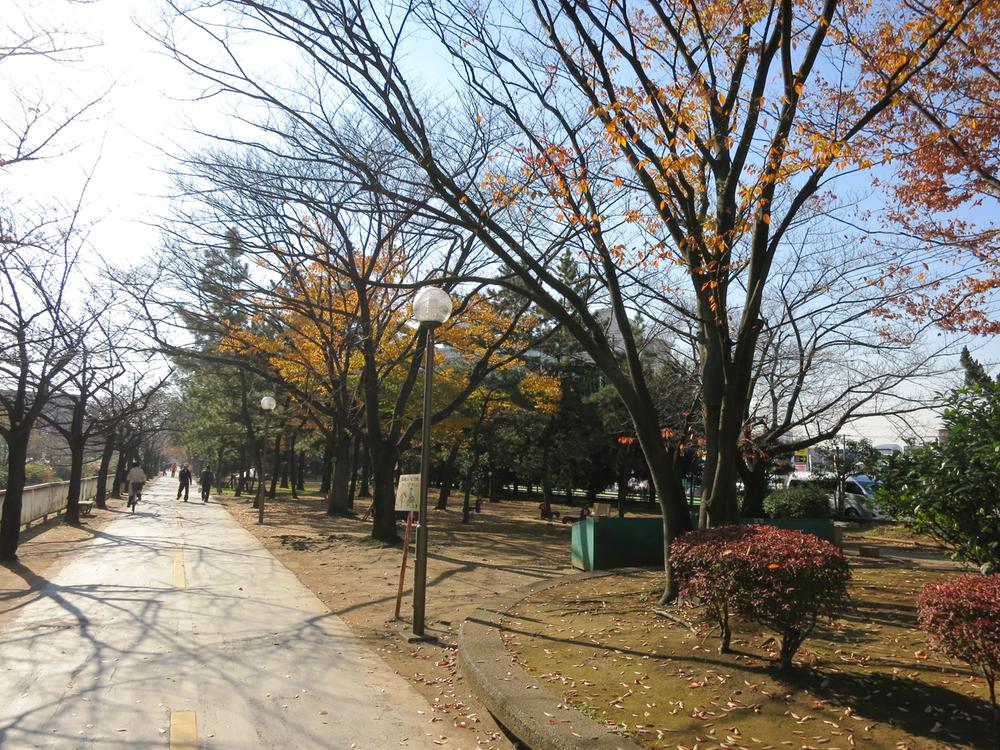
174,628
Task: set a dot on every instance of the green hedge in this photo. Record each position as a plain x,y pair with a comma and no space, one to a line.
798,502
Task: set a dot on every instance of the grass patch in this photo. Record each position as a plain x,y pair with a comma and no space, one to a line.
867,680
896,532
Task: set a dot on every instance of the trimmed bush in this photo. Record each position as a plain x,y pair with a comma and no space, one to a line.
707,569
798,502
785,580
962,618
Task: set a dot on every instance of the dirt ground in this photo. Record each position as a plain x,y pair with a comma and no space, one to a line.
866,680
42,551
504,547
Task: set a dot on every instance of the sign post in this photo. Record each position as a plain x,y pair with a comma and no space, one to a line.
408,499
408,493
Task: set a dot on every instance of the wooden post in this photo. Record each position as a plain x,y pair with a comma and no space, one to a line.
402,567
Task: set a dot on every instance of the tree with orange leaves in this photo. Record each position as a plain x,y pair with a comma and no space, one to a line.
944,143
322,304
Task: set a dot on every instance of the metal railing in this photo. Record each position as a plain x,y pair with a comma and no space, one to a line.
40,500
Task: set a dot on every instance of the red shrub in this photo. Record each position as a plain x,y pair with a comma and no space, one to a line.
783,579
706,564
962,618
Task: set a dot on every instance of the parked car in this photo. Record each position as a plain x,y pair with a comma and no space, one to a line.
859,494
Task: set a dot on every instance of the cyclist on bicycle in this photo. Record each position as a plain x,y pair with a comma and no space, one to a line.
136,478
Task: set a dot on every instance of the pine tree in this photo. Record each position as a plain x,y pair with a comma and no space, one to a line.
975,373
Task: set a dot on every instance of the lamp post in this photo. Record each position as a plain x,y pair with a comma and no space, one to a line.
267,404
431,308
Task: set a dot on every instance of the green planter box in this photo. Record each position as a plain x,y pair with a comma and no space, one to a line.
605,543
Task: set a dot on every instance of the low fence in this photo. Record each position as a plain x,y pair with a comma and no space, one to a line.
41,500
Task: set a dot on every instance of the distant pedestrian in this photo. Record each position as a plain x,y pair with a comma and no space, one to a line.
184,482
173,470
135,478
207,477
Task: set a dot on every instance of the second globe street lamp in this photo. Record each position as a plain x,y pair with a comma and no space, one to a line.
431,308
267,404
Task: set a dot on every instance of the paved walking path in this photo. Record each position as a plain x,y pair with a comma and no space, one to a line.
174,628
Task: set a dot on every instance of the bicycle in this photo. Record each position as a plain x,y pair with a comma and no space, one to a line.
134,495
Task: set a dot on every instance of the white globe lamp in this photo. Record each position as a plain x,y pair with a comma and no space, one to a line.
431,305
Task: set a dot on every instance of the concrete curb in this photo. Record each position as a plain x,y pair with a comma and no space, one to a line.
516,699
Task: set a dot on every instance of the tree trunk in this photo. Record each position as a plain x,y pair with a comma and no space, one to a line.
275,467
790,643
286,468
491,486
259,470
220,473
754,488
666,480
10,524
384,496
469,479
355,458
337,501
300,479
102,472
116,489
77,446
292,463
241,472
719,502
447,478
366,470
327,476
726,632
726,378
547,479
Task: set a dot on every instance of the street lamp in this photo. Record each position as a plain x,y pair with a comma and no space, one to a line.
431,308
267,404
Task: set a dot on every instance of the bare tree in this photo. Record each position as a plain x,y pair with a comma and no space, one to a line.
826,359
33,127
39,341
103,388
112,409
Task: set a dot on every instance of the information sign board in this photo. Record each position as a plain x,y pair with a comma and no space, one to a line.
408,493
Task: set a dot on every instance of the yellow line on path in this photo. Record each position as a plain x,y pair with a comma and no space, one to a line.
179,580
183,731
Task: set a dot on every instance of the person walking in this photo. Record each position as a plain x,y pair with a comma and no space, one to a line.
135,478
206,483
184,482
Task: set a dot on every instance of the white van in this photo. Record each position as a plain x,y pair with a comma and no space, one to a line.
859,494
